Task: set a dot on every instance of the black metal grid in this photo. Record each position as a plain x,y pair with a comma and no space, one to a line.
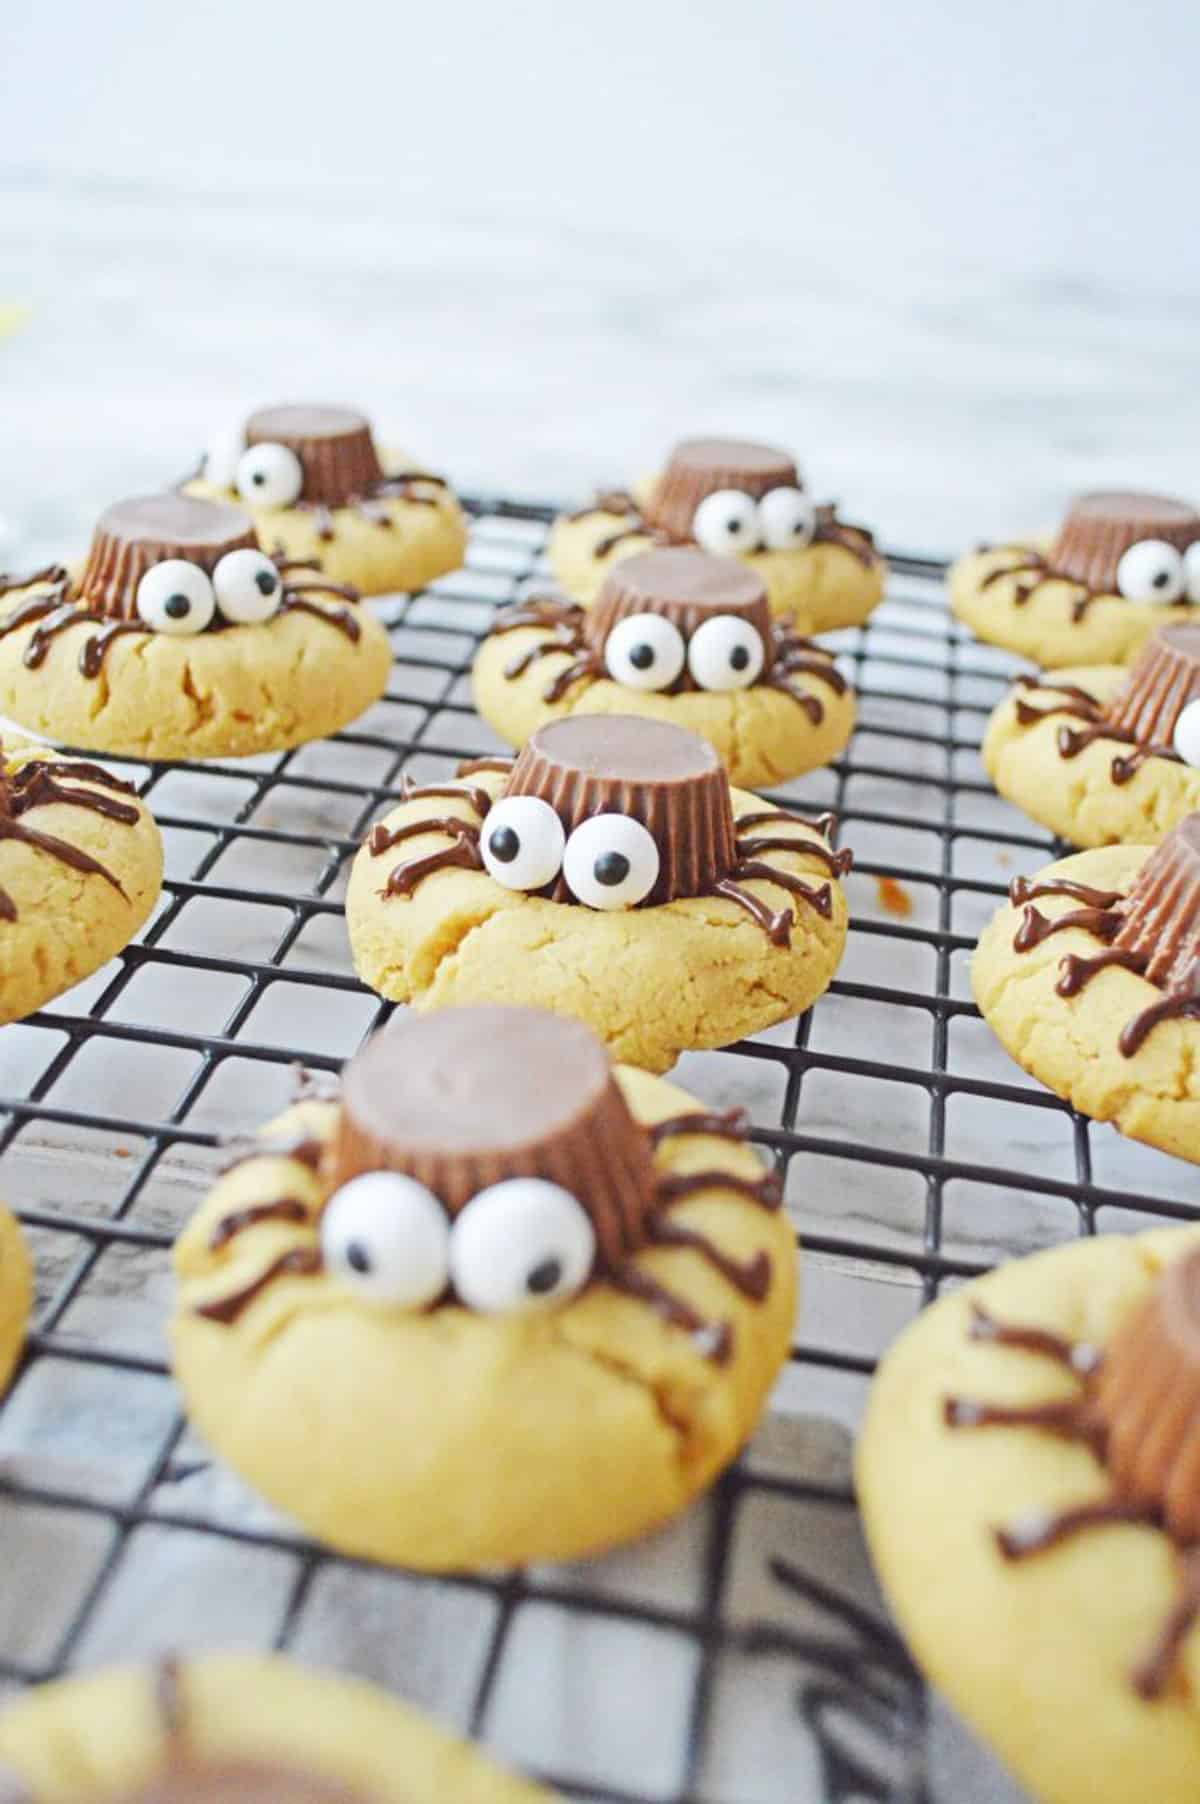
871,1105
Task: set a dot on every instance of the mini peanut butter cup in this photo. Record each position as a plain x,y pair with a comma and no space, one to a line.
685,586
1148,1400
133,535
1164,679
241,1782
334,444
1161,926
700,466
661,775
466,1098
1100,528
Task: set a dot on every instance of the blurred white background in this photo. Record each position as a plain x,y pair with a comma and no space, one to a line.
950,259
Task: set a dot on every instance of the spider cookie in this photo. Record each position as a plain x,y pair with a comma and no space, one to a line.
1121,566
1106,754
682,637
16,1298
235,1729
182,639
1028,1479
497,1302
732,498
317,486
1091,979
609,873
81,864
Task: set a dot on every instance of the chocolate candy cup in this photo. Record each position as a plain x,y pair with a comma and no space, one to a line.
1165,678
700,466
243,1782
668,779
1100,528
334,445
685,586
1162,915
1148,1400
469,1097
133,535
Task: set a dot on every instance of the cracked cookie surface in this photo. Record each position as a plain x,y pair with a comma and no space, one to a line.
1112,630
652,982
761,735
1076,797
1035,1655
1070,1043
65,922
228,694
103,1735
454,1440
16,1294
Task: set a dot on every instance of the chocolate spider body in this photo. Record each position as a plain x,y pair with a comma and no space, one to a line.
1139,547
616,812
488,1157
175,565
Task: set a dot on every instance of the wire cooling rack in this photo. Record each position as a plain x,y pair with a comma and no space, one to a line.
742,1657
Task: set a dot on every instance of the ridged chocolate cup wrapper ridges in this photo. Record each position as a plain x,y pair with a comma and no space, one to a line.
700,466
684,586
334,445
132,536
1148,1400
1165,678
1100,528
1161,925
466,1098
661,775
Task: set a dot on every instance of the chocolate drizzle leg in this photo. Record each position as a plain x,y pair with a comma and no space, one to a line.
37,784
1096,533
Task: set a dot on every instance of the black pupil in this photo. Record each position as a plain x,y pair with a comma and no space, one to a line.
610,869
735,525
267,582
544,1277
739,657
177,606
504,844
1161,578
258,478
642,657
357,1257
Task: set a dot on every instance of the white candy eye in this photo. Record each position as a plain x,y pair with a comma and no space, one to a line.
644,651
521,1245
222,458
1191,571
388,1239
726,521
611,861
788,519
522,843
176,597
248,586
1186,737
269,476
1151,570
726,653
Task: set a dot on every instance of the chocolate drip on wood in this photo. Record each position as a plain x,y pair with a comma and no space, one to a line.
285,1208
713,1339
301,1262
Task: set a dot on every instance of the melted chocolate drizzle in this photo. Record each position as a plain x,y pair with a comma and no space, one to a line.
37,785
284,1208
752,1278
1071,741
729,1125
766,1191
301,1262
306,1149
1033,573
1042,1530
828,530
714,1340
368,504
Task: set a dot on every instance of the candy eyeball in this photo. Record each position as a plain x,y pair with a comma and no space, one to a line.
248,587
644,651
176,598
387,1238
788,519
522,843
610,862
521,1245
222,458
726,521
1151,570
1191,571
269,476
726,653
1186,737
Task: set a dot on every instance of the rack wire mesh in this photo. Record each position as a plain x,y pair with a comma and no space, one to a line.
914,1154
